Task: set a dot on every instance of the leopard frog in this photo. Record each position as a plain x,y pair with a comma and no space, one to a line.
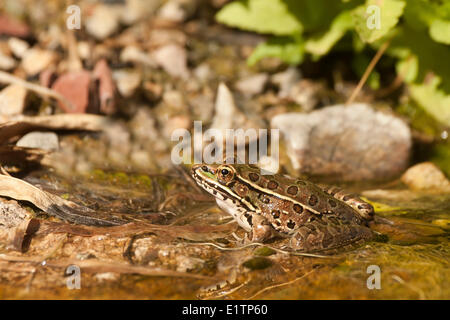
314,219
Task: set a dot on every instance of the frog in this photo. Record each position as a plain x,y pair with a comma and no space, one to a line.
313,218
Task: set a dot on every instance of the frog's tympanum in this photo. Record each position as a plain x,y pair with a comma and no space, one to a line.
267,206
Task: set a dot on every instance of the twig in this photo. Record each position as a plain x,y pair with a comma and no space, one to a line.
369,69
8,78
279,285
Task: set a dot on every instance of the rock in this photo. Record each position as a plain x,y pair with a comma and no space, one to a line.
426,176
18,47
127,81
252,85
103,22
6,62
136,55
12,214
348,143
177,10
13,27
286,80
203,72
172,58
107,87
75,86
136,10
35,60
39,140
307,93
12,100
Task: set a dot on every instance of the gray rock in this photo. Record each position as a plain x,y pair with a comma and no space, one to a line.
252,85
39,140
351,142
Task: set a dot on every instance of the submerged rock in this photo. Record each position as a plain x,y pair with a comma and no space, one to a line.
426,176
40,140
351,142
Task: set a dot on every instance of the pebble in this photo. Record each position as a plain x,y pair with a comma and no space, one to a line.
127,81
6,62
103,22
18,46
252,85
75,87
286,80
351,142
12,100
35,60
173,59
426,176
39,140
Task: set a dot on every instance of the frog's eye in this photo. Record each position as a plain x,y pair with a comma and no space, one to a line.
225,174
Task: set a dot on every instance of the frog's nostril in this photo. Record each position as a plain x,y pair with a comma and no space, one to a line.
205,168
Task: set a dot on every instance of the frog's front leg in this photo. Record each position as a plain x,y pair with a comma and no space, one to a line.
261,229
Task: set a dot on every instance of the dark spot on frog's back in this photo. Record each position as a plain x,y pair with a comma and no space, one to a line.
297,208
290,224
313,200
276,214
332,203
272,185
292,190
253,176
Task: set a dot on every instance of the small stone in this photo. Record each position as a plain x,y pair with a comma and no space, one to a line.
173,59
177,10
18,46
39,140
127,81
152,90
203,72
136,10
252,85
75,87
83,49
426,176
107,87
13,27
12,100
35,60
286,80
6,62
12,214
136,55
351,142
103,22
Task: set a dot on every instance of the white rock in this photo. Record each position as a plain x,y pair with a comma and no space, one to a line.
426,176
39,140
203,72
136,55
127,81
12,100
252,85
177,10
103,22
6,62
136,10
18,46
286,80
35,60
172,58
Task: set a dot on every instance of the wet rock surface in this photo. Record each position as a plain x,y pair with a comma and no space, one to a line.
349,143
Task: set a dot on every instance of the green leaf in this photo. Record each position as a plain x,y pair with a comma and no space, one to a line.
408,68
321,45
376,18
433,100
440,31
288,49
264,16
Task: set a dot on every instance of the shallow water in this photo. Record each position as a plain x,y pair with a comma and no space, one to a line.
411,251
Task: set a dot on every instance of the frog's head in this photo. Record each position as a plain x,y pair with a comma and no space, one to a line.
213,175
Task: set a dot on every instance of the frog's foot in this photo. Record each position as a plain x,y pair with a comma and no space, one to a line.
261,229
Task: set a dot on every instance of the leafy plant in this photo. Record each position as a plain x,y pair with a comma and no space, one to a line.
419,31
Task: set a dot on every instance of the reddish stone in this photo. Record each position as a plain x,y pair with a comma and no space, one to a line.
107,87
75,86
13,27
